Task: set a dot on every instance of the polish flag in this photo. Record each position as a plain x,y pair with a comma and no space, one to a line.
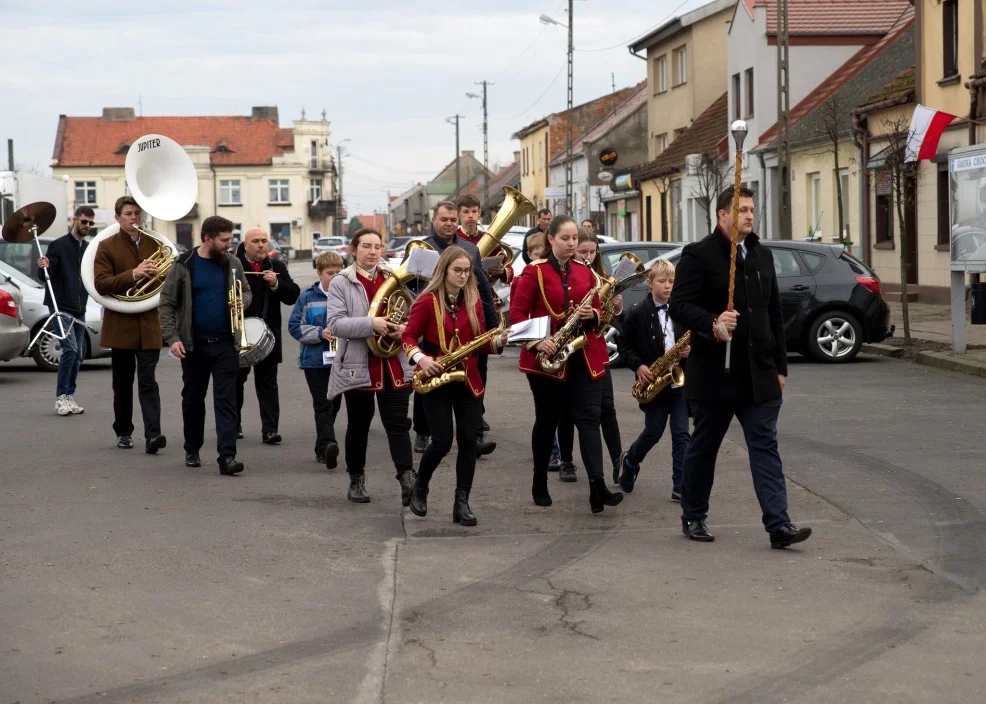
927,126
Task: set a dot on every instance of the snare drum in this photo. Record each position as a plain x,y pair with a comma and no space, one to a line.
261,340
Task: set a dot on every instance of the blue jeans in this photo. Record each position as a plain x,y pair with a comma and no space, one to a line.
73,350
759,422
669,405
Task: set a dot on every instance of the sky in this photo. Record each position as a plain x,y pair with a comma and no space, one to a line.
387,73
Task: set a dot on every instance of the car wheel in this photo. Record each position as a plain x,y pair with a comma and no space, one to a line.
835,337
46,352
611,348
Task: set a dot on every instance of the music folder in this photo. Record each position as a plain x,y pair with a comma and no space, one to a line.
421,262
528,330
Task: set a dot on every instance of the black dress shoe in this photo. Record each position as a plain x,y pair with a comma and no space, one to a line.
567,472
419,500
192,459
229,465
788,535
697,530
406,481
600,495
421,442
155,443
461,513
239,432
271,438
539,489
331,455
484,446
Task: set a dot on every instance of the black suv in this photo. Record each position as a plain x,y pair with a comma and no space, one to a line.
830,300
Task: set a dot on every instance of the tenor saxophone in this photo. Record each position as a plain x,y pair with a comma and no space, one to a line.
450,361
666,370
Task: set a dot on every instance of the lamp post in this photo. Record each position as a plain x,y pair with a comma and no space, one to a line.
339,202
544,19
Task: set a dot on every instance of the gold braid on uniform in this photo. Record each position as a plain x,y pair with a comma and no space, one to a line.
553,314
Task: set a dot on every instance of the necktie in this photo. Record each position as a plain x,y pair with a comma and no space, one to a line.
662,306
741,252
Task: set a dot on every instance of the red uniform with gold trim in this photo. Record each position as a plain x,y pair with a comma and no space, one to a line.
432,330
508,274
377,364
540,291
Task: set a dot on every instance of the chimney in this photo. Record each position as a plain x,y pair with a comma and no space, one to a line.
468,152
267,112
516,157
118,114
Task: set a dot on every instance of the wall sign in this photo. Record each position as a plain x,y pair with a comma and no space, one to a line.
607,157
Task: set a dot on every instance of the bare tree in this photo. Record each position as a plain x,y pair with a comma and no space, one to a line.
833,116
33,167
711,173
901,174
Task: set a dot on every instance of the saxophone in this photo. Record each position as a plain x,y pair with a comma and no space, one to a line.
565,339
449,361
666,370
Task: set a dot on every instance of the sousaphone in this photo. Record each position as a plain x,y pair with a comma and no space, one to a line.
161,178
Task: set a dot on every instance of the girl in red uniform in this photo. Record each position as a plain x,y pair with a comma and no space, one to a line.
555,287
447,315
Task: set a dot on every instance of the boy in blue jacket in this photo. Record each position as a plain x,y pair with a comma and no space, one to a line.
307,326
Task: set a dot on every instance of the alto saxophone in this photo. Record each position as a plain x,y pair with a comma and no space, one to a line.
666,370
565,339
448,362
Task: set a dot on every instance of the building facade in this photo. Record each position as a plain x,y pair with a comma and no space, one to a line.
249,170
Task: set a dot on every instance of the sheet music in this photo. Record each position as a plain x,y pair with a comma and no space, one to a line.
421,262
624,268
527,330
491,263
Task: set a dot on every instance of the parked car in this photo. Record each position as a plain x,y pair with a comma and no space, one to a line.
14,334
34,313
331,244
394,252
830,300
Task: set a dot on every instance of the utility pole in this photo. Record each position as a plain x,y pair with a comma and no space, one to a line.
612,77
783,122
486,146
339,201
454,120
568,162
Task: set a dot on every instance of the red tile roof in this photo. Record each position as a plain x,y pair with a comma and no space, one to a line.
95,141
377,221
856,63
828,17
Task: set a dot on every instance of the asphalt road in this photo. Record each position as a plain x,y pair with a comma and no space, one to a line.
130,578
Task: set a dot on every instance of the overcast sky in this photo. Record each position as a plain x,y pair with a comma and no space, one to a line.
388,73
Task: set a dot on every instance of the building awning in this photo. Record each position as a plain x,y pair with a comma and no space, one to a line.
622,195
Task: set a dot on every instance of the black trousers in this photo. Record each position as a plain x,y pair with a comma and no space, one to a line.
420,420
607,420
265,381
220,361
124,363
325,410
393,414
482,362
580,393
441,405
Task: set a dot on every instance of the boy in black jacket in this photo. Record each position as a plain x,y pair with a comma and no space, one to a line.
648,332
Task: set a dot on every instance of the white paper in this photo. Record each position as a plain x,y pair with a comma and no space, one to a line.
623,269
490,263
327,357
527,330
421,262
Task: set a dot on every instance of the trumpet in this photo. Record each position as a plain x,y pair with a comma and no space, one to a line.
236,321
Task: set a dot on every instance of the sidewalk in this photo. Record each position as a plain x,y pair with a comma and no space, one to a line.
931,321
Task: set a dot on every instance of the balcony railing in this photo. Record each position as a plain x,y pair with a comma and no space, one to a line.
319,166
321,210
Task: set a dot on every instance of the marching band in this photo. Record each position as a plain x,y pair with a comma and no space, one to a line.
363,335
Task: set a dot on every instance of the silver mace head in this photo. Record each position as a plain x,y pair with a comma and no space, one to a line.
738,130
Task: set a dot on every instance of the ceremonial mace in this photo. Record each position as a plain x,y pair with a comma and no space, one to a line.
738,130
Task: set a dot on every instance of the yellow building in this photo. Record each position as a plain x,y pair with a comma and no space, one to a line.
686,73
249,169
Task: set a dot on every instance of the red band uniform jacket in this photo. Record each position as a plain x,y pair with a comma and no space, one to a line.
432,331
540,291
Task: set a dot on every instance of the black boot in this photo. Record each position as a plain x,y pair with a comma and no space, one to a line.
461,513
539,490
600,495
419,499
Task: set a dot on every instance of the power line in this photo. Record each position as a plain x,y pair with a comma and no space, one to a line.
531,106
627,42
389,168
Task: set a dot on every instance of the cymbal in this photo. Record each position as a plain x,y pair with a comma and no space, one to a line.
18,227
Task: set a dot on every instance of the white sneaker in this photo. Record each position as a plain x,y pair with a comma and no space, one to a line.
74,407
62,406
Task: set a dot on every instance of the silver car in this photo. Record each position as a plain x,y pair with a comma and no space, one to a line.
14,334
34,312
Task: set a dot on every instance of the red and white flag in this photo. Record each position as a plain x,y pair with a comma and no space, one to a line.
927,126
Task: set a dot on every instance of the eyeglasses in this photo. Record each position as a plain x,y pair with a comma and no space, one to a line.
371,247
87,222
461,272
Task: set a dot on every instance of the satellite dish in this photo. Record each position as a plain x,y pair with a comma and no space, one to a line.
605,176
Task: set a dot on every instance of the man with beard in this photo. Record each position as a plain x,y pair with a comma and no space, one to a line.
195,321
271,285
62,264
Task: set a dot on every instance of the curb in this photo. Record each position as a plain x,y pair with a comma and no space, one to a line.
882,350
944,360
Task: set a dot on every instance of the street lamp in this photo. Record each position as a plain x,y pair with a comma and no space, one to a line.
544,19
339,202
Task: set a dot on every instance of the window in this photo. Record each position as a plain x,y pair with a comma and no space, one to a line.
229,192
660,143
785,263
547,172
844,185
814,261
943,205
814,203
540,156
950,38
679,66
884,219
661,74
748,74
315,190
279,192
737,96
85,193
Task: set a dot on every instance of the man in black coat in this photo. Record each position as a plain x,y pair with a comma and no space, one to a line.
62,264
753,389
271,286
